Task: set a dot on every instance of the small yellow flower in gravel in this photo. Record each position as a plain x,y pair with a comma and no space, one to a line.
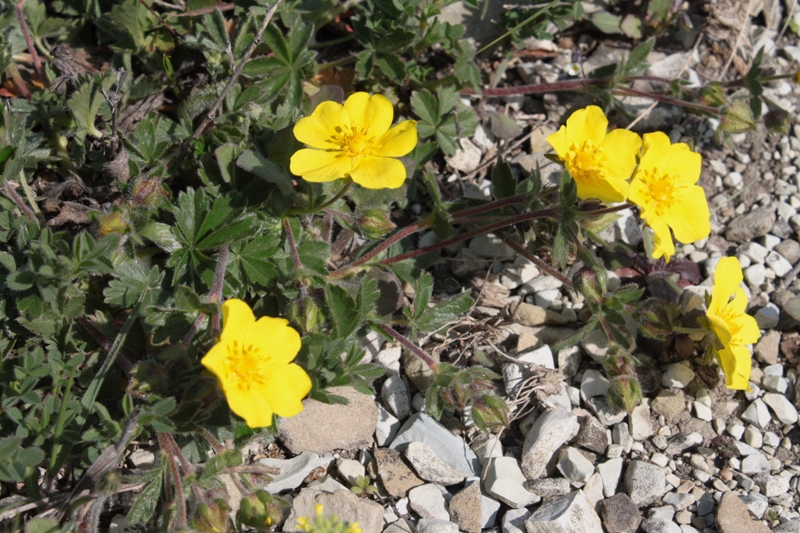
252,363
733,328
664,187
600,162
355,140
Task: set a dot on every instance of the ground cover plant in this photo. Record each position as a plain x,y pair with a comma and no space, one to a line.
207,207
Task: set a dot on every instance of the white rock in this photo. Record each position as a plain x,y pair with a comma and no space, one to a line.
142,458
467,158
514,374
294,470
753,250
758,414
783,408
350,470
491,246
552,429
678,375
593,489
753,437
703,412
772,486
387,426
775,384
574,466
430,467
641,427
755,464
755,274
431,525
659,525
514,520
449,447
645,482
778,264
610,472
767,317
593,383
428,502
569,513
595,345
395,396
489,509
505,481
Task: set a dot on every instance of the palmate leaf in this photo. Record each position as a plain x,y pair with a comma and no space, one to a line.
131,282
443,313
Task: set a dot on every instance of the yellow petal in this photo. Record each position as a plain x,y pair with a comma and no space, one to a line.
285,388
374,172
237,318
720,327
737,364
588,124
320,165
275,339
250,405
689,217
684,164
214,360
607,190
319,129
399,140
748,332
727,277
620,149
738,305
373,114
558,141
662,245
655,151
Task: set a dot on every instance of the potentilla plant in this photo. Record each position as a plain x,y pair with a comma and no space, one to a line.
200,238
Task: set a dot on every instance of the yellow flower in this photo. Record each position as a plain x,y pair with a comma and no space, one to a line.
600,163
252,363
732,327
355,140
664,187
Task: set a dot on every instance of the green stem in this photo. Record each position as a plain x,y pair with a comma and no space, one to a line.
627,91
333,42
315,208
28,192
690,331
606,210
518,26
338,63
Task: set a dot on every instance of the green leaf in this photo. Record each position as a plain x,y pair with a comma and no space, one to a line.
422,290
505,127
145,505
266,170
85,104
425,106
606,22
21,280
256,258
131,283
42,525
637,57
631,26
343,310
503,183
444,313
161,234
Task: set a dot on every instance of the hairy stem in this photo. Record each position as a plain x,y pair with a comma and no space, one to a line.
316,208
509,221
541,265
410,346
37,63
166,451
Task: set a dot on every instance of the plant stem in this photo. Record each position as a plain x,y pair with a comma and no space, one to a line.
315,208
235,76
333,42
338,63
491,206
37,63
12,194
510,221
166,451
627,91
606,210
410,346
521,250
420,225
217,445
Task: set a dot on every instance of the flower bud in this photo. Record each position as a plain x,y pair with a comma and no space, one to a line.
259,510
212,517
656,321
112,223
148,192
625,392
777,121
593,285
738,118
618,362
375,223
712,95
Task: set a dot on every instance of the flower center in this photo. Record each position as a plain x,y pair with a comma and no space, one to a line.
662,191
245,364
584,162
355,142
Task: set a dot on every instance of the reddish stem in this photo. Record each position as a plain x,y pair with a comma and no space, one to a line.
410,346
37,64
